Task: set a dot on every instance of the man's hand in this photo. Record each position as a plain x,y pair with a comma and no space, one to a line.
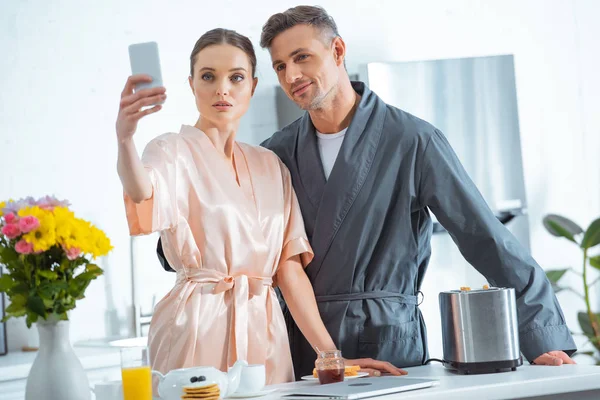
554,358
375,367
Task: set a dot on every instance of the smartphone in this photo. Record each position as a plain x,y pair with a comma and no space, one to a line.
144,59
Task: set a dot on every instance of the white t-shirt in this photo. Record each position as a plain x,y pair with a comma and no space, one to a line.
329,147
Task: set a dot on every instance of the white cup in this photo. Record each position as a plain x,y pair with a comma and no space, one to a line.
110,390
252,379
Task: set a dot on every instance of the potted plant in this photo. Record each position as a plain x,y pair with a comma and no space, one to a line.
589,321
47,253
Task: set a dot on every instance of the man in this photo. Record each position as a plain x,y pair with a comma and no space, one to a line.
366,176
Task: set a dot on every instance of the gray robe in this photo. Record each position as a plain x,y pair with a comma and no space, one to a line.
370,228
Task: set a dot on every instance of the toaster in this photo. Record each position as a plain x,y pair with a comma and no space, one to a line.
480,331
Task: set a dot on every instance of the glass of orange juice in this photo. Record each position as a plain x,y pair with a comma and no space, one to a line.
136,373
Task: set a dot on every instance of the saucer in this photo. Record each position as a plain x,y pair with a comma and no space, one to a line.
359,375
255,394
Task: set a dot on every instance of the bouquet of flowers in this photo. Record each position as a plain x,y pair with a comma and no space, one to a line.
48,254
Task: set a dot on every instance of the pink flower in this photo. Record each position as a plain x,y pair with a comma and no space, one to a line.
73,253
10,218
28,223
11,231
24,247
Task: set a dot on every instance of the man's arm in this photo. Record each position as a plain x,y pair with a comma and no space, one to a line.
445,187
161,257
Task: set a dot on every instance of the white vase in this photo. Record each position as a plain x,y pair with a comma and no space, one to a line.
56,373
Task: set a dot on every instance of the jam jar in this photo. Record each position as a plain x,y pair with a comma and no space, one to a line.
330,366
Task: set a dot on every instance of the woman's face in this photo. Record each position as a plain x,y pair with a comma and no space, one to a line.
222,83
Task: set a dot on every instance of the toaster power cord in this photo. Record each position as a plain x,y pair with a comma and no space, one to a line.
433,359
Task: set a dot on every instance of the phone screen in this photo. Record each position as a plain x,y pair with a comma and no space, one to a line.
144,59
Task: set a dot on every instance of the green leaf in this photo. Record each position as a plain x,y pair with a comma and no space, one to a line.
554,275
562,227
586,327
16,308
64,265
592,235
94,269
595,262
78,285
51,275
20,288
8,255
6,282
46,290
48,303
35,304
17,302
18,276
31,318
61,308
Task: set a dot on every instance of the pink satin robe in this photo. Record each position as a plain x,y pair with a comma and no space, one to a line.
226,242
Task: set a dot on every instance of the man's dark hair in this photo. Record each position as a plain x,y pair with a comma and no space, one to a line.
313,16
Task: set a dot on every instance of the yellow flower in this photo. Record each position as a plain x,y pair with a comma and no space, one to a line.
75,232
82,230
100,243
60,227
94,241
44,236
2,205
66,227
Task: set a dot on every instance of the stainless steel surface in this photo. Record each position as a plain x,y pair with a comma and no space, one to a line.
479,325
137,329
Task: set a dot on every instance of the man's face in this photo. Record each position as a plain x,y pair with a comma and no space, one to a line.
307,66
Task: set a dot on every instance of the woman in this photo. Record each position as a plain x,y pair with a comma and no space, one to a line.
228,218
229,222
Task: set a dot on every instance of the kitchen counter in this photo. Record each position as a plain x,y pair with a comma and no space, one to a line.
100,364
16,365
581,382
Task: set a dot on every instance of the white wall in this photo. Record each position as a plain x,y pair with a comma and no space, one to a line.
64,64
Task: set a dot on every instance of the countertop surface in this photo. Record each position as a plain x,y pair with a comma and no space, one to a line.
526,381
16,365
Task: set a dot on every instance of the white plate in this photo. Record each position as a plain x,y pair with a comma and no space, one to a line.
255,394
359,375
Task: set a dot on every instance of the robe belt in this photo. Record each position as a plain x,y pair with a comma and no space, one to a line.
243,287
376,294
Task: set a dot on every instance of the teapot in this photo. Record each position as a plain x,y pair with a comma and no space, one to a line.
170,385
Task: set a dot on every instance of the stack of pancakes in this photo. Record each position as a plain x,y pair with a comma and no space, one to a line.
205,392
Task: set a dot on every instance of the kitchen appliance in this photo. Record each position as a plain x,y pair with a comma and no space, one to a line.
480,331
